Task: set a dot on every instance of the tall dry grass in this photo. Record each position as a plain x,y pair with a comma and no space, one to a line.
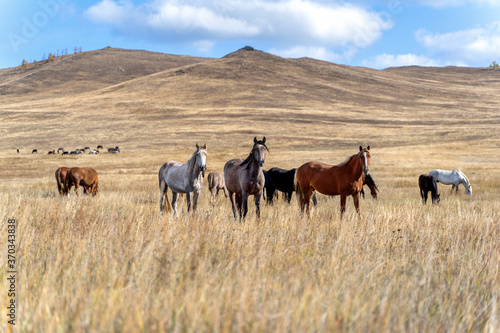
111,263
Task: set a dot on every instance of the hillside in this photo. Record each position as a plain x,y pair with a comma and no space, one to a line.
138,96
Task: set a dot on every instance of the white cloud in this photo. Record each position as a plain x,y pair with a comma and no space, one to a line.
478,46
312,24
390,60
316,52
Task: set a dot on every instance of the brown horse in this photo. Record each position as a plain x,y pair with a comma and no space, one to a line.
344,179
244,177
216,183
61,179
86,177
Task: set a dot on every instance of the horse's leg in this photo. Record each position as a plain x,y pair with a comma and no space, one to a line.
422,196
225,191
77,184
343,200
257,204
244,202
175,196
188,199
426,196
288,197
232,198
163,192
356,197
196,194
363,192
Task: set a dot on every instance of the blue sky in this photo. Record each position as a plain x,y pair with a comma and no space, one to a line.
376,34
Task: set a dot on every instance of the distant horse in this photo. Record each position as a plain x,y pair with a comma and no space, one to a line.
94,152
368,181
183,178
100,147
428,184
34,151
216,183
244,177
454,178
269,188
114,150
344,179
86,177
51,152
61,179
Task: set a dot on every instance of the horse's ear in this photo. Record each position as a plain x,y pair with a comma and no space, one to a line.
197,145
205,146
264,140
255,140
368,148
360,148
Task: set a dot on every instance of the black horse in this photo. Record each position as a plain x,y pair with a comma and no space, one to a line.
368,181
278,179
428,184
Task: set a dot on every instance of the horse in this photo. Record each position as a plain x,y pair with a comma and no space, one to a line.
244,177
282,180
51,152
428,184
61,179
100,147
344,179
86,177
94,152
34,151
216,183
368,181
454,178
183,178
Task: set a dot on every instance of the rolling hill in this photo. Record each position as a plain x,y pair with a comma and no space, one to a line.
138,96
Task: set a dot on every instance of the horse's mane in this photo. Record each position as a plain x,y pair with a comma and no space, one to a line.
465,177
347,160
192,161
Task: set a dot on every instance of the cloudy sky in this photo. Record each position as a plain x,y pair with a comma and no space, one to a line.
376,34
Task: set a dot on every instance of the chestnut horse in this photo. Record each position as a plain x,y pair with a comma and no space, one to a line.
244,177
216,183
86,177
344,179
61,179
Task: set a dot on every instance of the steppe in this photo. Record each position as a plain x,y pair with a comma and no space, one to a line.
112,263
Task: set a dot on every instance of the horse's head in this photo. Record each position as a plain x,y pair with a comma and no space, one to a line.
365,155
201,157
259,151
436,199
468,190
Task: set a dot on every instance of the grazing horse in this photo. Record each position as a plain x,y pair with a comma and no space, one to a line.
244,177
86,177
34,151
216,183
183,178
428,184
61,179
454,178
51,152
344,179
368,181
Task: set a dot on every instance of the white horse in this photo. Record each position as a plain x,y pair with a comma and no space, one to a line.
183,178
454,178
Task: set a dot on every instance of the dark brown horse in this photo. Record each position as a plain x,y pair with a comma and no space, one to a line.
428,184
216,183
244,177
86,177
344,179
368,180
61,180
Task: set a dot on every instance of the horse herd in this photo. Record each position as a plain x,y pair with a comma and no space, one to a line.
244,177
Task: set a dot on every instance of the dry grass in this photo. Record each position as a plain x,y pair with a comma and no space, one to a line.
111,263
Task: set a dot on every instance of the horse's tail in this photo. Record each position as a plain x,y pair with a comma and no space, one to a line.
298,190
163,189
